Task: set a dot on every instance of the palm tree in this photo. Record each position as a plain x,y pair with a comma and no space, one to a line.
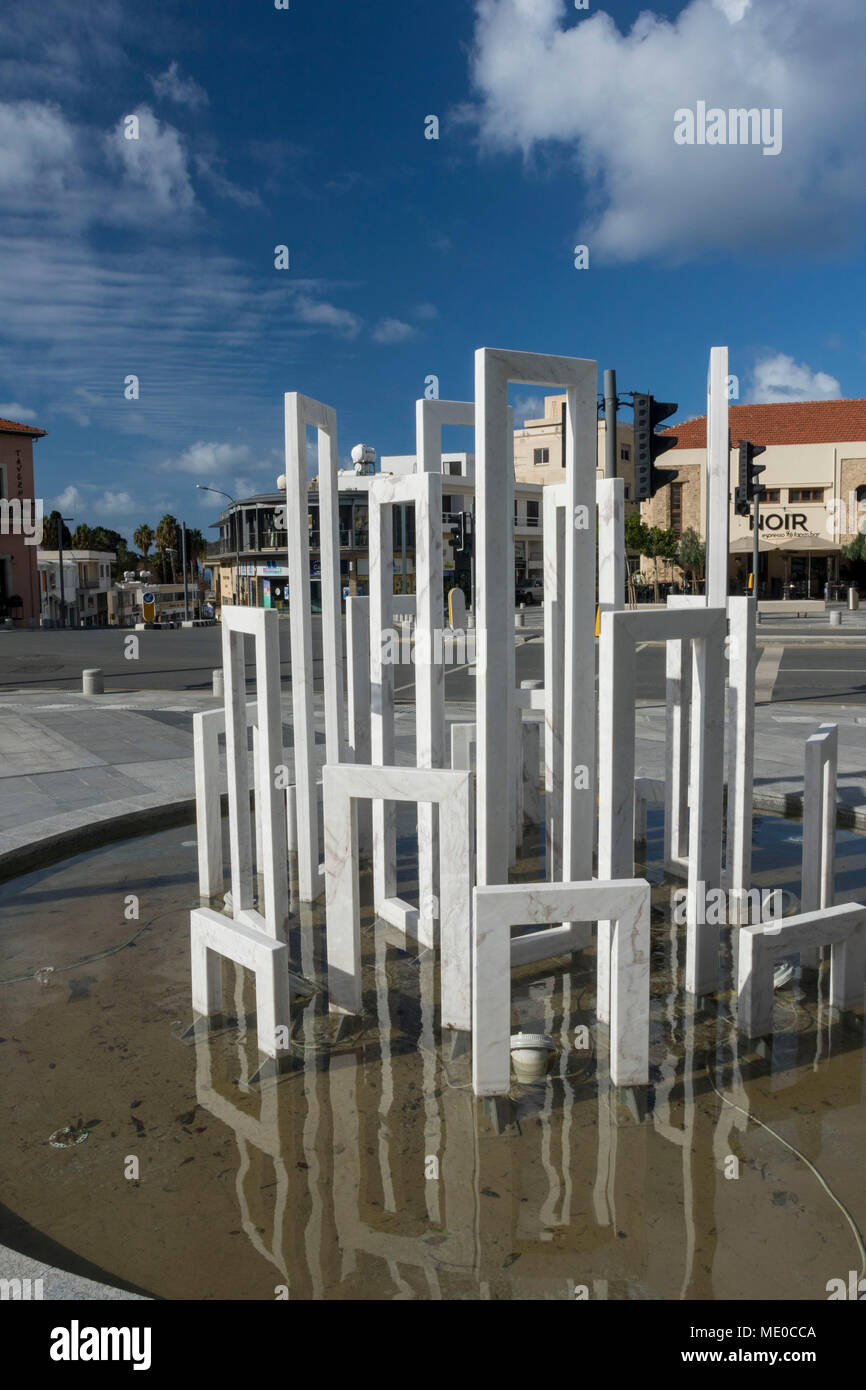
166,540
143,538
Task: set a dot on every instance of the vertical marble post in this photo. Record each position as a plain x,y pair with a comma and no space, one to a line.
717,483
819,826
610,495
741,753
617,671
554,588
358,699
237,767
706,772
382,693
300,617
429,690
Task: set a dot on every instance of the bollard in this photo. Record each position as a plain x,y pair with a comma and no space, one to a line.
853,599
521,616
218,689
835,617
92,682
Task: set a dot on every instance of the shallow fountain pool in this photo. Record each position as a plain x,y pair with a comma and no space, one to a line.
369,1170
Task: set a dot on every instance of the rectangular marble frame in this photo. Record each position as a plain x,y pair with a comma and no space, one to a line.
207,725
263,626
553,541
346,784
496,909
302,412
706,629
842,928
424,492
494,536
214,936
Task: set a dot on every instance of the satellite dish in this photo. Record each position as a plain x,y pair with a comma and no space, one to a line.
281,482
364,458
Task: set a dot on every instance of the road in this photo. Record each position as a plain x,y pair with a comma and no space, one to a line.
184,658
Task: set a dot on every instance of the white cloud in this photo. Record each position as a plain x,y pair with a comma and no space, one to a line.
155,163
113,504
780,378
527,408
393,331
11,410
426,312
37,151
323,315
172,86
575,89
69,500
215,459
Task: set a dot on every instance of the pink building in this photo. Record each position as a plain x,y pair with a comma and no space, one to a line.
19,587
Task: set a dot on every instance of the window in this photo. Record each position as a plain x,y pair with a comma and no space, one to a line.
532,513
625,454
540,457
772,494
805,494
677,508
625,492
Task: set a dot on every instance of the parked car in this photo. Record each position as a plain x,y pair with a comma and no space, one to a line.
529,591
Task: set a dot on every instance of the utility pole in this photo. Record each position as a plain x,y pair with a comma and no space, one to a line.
610,405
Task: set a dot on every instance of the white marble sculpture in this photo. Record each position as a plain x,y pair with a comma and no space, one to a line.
499,908
761,946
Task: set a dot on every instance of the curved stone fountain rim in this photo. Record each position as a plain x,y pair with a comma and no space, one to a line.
56,839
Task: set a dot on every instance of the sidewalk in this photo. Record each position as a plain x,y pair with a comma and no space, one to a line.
77,771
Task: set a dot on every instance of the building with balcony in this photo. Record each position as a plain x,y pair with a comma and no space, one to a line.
86,585
19,580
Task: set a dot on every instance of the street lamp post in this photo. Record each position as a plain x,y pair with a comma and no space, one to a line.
60,525
204,488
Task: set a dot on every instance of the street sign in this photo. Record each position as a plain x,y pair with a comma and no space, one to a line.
148,597
148,606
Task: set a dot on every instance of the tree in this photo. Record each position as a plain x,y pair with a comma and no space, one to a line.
143,538
83,537
660,545
49,533
692,554
166,540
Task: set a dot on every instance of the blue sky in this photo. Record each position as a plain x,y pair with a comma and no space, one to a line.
305,127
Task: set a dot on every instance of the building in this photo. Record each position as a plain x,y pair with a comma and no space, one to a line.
250,555
539,449
86,586
20,533
815,480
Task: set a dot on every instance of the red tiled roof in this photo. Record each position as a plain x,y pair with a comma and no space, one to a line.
784,422
13,427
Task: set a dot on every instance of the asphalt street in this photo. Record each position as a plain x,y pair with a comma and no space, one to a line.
818,669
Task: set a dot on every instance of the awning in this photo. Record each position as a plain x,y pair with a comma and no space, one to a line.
743,545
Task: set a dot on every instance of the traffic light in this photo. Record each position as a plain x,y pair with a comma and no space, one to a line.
648,446
464,531
745,483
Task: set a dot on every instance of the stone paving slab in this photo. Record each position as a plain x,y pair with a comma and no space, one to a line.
69,795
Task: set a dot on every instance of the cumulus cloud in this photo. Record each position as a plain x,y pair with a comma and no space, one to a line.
392,331
11,410
320,314
155,163
202,458
554,85
69,500
114,503
171,85
780,378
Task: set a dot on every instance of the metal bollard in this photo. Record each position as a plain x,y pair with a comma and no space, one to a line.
853,599
835,617
92,682
218,687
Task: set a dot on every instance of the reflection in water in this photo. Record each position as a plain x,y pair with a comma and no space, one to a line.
369,1170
